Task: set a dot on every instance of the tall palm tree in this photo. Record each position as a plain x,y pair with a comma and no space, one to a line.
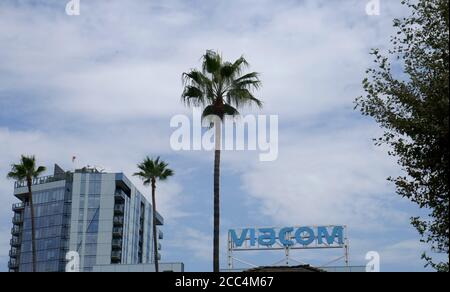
220,87
151,170
25,171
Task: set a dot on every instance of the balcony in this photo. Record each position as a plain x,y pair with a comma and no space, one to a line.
119,209
116,255
18,207
17,219
15,241
118,220
117,231
14,253
160,234
120,195
159,219
116,243
16,230
13,264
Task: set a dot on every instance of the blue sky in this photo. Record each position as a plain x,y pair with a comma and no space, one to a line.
104,85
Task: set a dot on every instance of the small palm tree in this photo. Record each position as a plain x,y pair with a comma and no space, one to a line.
221,89
152,170
25,171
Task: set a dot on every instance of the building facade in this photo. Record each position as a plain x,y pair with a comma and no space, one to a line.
101,216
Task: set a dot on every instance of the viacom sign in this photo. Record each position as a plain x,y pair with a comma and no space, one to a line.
288,237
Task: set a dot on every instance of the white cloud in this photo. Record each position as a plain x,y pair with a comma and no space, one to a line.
121,60
171,202
404,251
334,176
197,244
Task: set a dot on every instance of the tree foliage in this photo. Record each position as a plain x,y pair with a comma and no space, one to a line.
220,87
407,93
152,170
26,169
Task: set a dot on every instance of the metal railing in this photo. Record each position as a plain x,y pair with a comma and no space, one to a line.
18,207
116,243
116,255
117,231
118,220
39,181
13,252
15,241
119,209
17,219
119,194
13,264
16,230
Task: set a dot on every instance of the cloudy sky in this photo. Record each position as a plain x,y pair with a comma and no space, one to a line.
104,85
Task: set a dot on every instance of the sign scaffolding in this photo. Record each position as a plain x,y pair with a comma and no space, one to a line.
287,239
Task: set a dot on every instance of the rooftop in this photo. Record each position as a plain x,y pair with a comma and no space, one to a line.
285,269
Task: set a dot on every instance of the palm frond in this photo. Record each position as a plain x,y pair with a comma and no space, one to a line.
152,169
228,70
166,174
16,173
230,110
212,62
196,78
240,64
209,111
193,96
241,97
248,84
220,87
25,169
29,162
248,76
39,171
140,173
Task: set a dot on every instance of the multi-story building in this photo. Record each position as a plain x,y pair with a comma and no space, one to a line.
101,216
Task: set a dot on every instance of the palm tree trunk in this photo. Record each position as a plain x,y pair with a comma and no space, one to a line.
155,240
216,256
33,230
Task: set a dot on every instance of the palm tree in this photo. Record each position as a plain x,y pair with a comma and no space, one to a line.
26,170
221,88
152,170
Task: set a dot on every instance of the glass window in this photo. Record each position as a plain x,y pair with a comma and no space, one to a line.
48,212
